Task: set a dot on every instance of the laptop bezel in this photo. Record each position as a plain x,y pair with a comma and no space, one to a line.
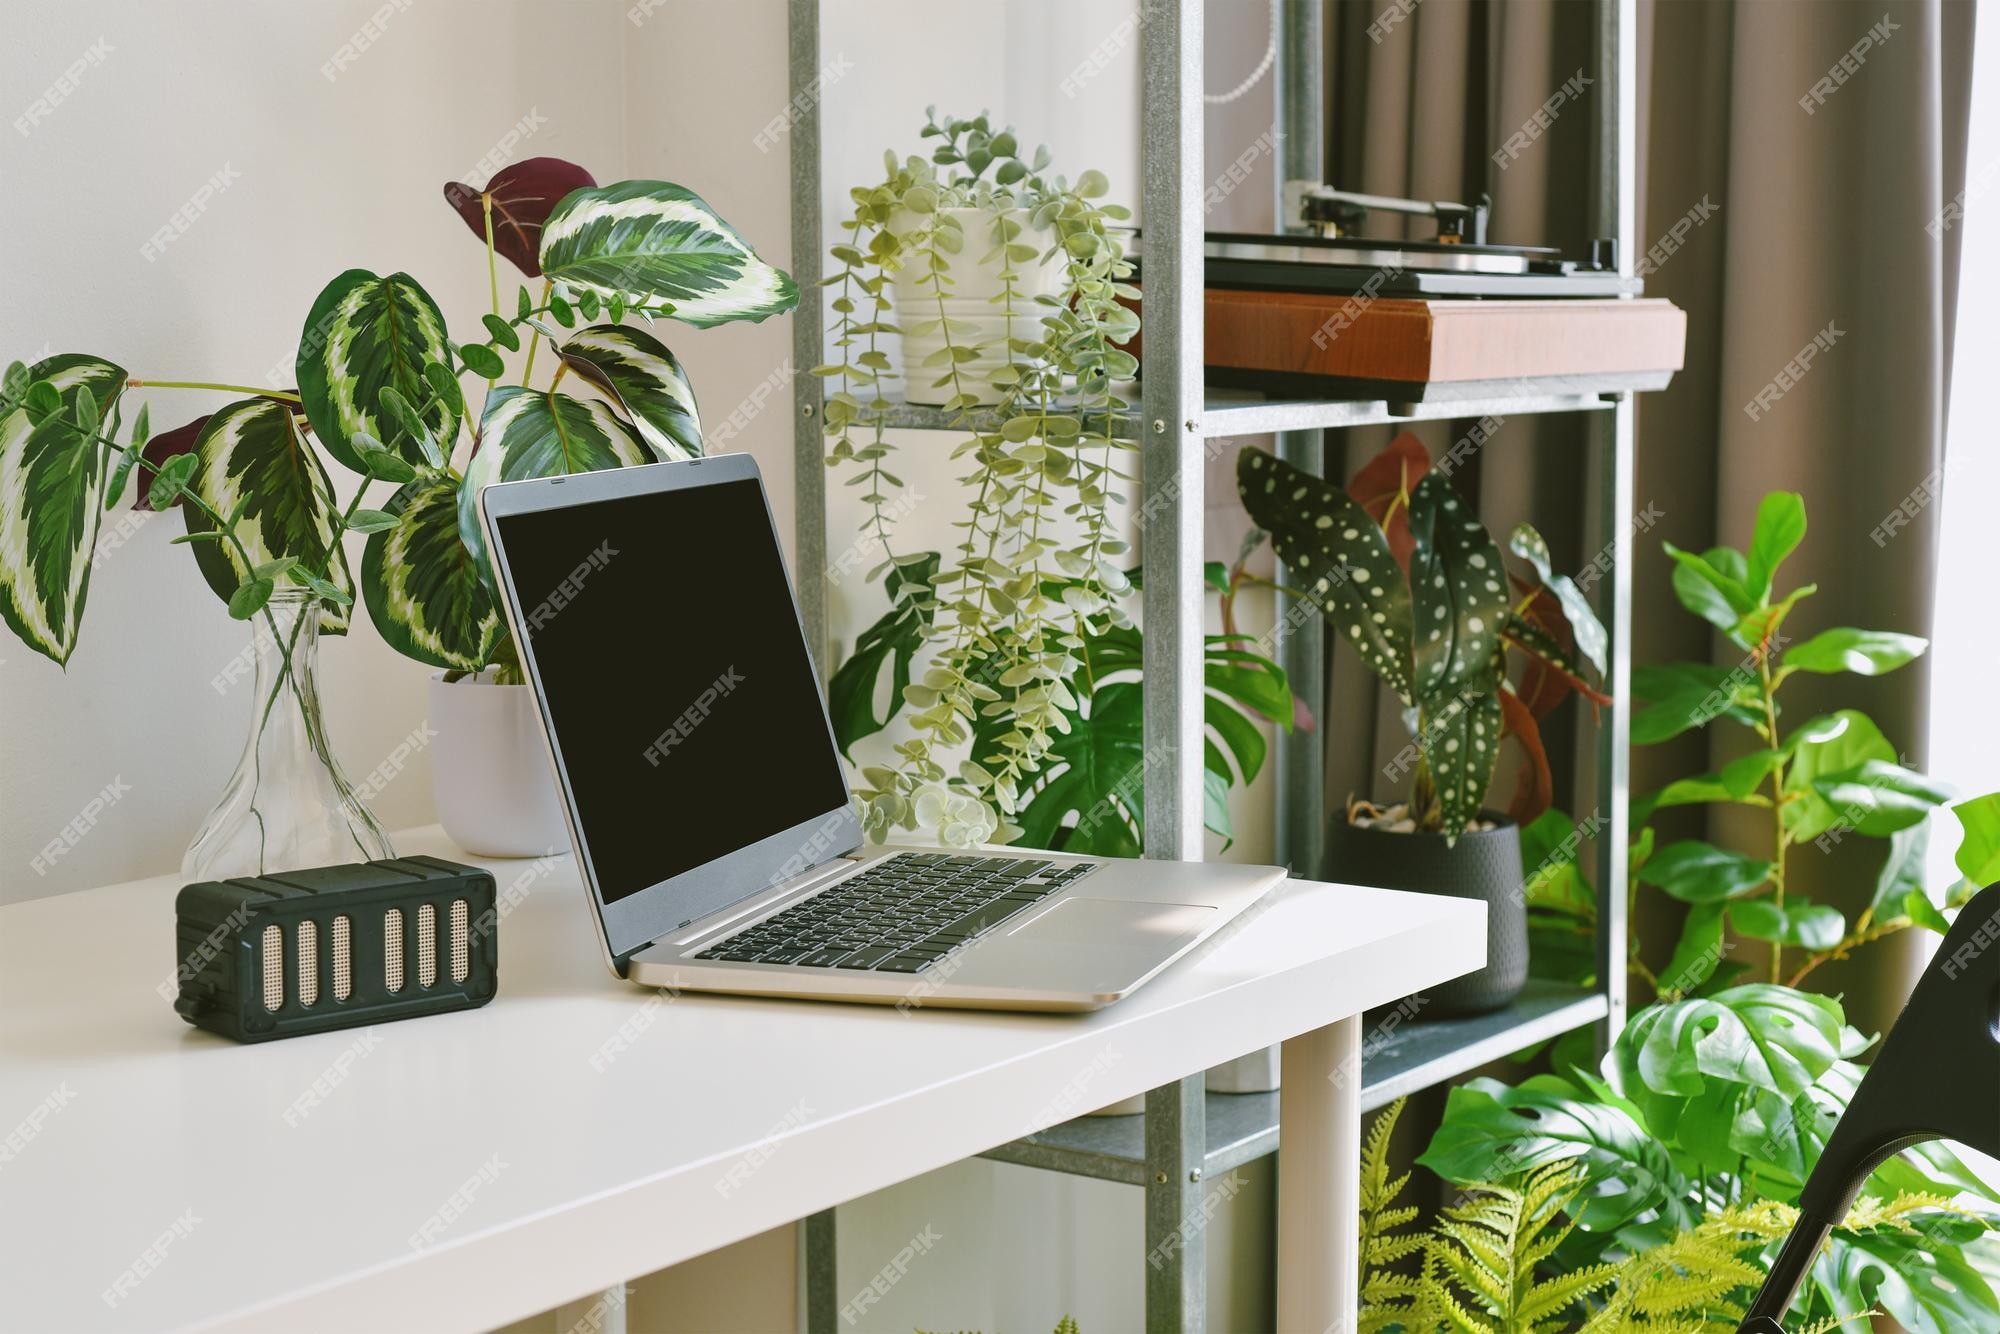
636,920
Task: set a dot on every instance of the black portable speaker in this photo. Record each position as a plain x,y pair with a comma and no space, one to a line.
273,956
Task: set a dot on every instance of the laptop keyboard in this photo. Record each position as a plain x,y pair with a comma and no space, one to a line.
902,914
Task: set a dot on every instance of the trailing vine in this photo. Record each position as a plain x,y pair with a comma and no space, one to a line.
1003,626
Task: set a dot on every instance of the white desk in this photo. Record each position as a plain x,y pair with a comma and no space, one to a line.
539,1178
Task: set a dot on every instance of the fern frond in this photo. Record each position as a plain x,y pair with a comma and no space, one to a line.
1868,1214
1066,1325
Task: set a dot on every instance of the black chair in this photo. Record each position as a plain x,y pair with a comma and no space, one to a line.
1936,1077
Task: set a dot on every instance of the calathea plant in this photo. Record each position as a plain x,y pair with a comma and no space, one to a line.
379,393
1409,576
1014,654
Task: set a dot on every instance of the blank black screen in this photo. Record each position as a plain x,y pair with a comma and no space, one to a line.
673,668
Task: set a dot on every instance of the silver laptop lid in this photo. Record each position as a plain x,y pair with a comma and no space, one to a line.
664,644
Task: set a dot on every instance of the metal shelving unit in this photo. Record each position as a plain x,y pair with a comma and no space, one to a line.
1186,1134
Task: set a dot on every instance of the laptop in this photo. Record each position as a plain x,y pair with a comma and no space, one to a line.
704,791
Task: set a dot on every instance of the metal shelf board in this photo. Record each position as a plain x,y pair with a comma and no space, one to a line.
1395,1062
1251,414
1229,412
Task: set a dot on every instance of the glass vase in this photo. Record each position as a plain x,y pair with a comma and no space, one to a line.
288,805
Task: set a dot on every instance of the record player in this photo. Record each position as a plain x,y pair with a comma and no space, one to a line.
1322,310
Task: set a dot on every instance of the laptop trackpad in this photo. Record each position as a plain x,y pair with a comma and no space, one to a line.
1098,945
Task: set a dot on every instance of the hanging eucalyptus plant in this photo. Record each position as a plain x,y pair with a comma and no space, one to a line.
1410,577
1010,664
379,389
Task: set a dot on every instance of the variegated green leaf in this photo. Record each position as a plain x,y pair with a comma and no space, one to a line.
651,241
422,588
638,371
51,488
1459,590
537,433
1591,640
1340,556
366,334
1459,735
252,454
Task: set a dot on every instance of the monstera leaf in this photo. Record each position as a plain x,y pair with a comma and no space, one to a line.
52,477
1458,592
891,642
649,241
250,453
643,378
537,433
1491,1131
1340,558
523,195
365,335
420,583
1761,1036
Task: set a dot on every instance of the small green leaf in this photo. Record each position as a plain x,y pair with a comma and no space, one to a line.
445,385
1681,695
42,400
1863,652
1697,954
1781,526
171,480
16,380
272,569
1093,185
1877,798
380,463
501,331
370,521
1697,872
1807,925
1924,913
1978,855
482,361
1902,869
249,598
524,305
1711,585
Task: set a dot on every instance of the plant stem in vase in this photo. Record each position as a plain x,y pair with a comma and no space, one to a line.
287,805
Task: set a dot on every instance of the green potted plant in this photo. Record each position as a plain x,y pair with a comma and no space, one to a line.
1817,783
1414,582
379,394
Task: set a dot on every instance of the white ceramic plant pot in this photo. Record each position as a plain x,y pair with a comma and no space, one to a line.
976,278
1255,1073
490,774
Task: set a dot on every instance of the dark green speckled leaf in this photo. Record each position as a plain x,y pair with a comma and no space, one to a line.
1340,556
1460,738
1458,588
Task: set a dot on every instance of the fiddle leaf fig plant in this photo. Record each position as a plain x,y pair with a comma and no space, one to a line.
1818,782
380,393
1409,576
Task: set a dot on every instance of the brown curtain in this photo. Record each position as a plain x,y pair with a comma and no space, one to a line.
1800,221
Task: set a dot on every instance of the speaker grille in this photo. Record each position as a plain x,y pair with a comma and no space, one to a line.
427,931
274,968
343,957
461,940
392,949
308,935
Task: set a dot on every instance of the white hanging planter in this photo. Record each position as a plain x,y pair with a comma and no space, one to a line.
977,276
490,773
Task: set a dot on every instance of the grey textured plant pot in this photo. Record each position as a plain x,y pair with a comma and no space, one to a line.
1484,865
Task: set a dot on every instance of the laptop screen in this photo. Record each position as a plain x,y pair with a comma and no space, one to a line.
674,675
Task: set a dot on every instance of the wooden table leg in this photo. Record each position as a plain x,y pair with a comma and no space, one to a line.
1319,1180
